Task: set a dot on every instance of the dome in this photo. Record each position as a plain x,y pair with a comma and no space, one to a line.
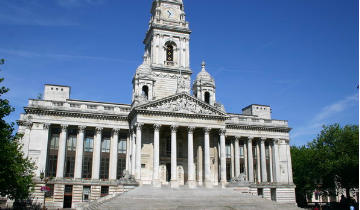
204,76
143,69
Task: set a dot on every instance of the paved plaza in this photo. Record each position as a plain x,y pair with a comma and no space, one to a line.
147,197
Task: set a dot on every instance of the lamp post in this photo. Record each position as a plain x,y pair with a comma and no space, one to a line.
44,188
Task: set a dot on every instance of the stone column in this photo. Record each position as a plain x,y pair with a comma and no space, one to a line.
96,154
250,160
191,172
271,164
156,180
127,166
276,167
232,158
138,151
173,180
258,172
44,149
237,157
129,151
79,153
222,157
208,182
114,154
264,177
61,152
245,160
133,154
289,164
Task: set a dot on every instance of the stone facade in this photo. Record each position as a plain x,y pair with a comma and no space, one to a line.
166,136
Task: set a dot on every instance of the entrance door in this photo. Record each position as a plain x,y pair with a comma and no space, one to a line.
168,172
68,196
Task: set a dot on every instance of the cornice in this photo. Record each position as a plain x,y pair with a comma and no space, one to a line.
66,113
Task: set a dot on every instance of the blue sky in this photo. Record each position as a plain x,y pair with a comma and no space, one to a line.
299,56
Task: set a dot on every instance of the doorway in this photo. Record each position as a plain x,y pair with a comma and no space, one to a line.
168,172
68,196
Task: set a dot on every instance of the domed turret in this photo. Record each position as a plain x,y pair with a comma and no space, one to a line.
143,83
204,86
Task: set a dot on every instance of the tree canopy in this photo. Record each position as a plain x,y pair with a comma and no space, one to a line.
330,161
16,171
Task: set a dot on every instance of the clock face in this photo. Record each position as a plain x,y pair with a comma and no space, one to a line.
169,13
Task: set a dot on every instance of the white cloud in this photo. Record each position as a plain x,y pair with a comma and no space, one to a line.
28,54
326,113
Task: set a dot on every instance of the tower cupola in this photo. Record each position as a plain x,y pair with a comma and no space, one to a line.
204,86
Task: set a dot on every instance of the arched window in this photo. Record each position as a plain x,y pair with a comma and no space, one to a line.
169,52
145,91
207,97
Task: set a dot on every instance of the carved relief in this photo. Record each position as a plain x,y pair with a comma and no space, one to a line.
181,105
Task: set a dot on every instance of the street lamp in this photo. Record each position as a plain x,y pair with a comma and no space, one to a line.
44,188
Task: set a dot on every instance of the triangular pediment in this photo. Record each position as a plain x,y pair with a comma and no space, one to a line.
181,103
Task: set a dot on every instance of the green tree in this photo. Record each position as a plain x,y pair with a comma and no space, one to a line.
330,161
16,172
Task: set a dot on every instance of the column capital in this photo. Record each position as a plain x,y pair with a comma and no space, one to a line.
46,126
157,127
64,127
237,138
98,130
222,131
207,130
276,141
174,128
139,126
116,130
250,138
262,139
191,129
81,128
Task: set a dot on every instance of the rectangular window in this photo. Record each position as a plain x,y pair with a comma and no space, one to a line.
88,144
69,166
267,152
105,145
68,189
241,151
104,191
122,146
54,142
52,164
104,168
71,143
87,166
255,152
86,193
228,151
120,167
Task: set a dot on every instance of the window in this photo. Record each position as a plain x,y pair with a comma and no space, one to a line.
228,151
54,142
105,145
87,165
168,147
169,53
86,193
104,191
71,143
52,164
50,194
267,152
120,167
207,97
145,92
69,166
91,106
122,146
108,108
104,168
241,151
88,144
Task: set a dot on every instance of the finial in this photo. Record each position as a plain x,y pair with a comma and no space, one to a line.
203,64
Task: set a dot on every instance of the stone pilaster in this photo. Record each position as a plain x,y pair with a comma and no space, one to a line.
61,152
276,166
79,153
156,180
133,154
44,148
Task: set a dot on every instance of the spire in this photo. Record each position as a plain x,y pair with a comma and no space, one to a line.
203,64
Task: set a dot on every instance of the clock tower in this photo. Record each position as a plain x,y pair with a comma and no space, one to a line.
167,49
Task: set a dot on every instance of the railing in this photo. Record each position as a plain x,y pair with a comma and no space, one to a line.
80,106
250,120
